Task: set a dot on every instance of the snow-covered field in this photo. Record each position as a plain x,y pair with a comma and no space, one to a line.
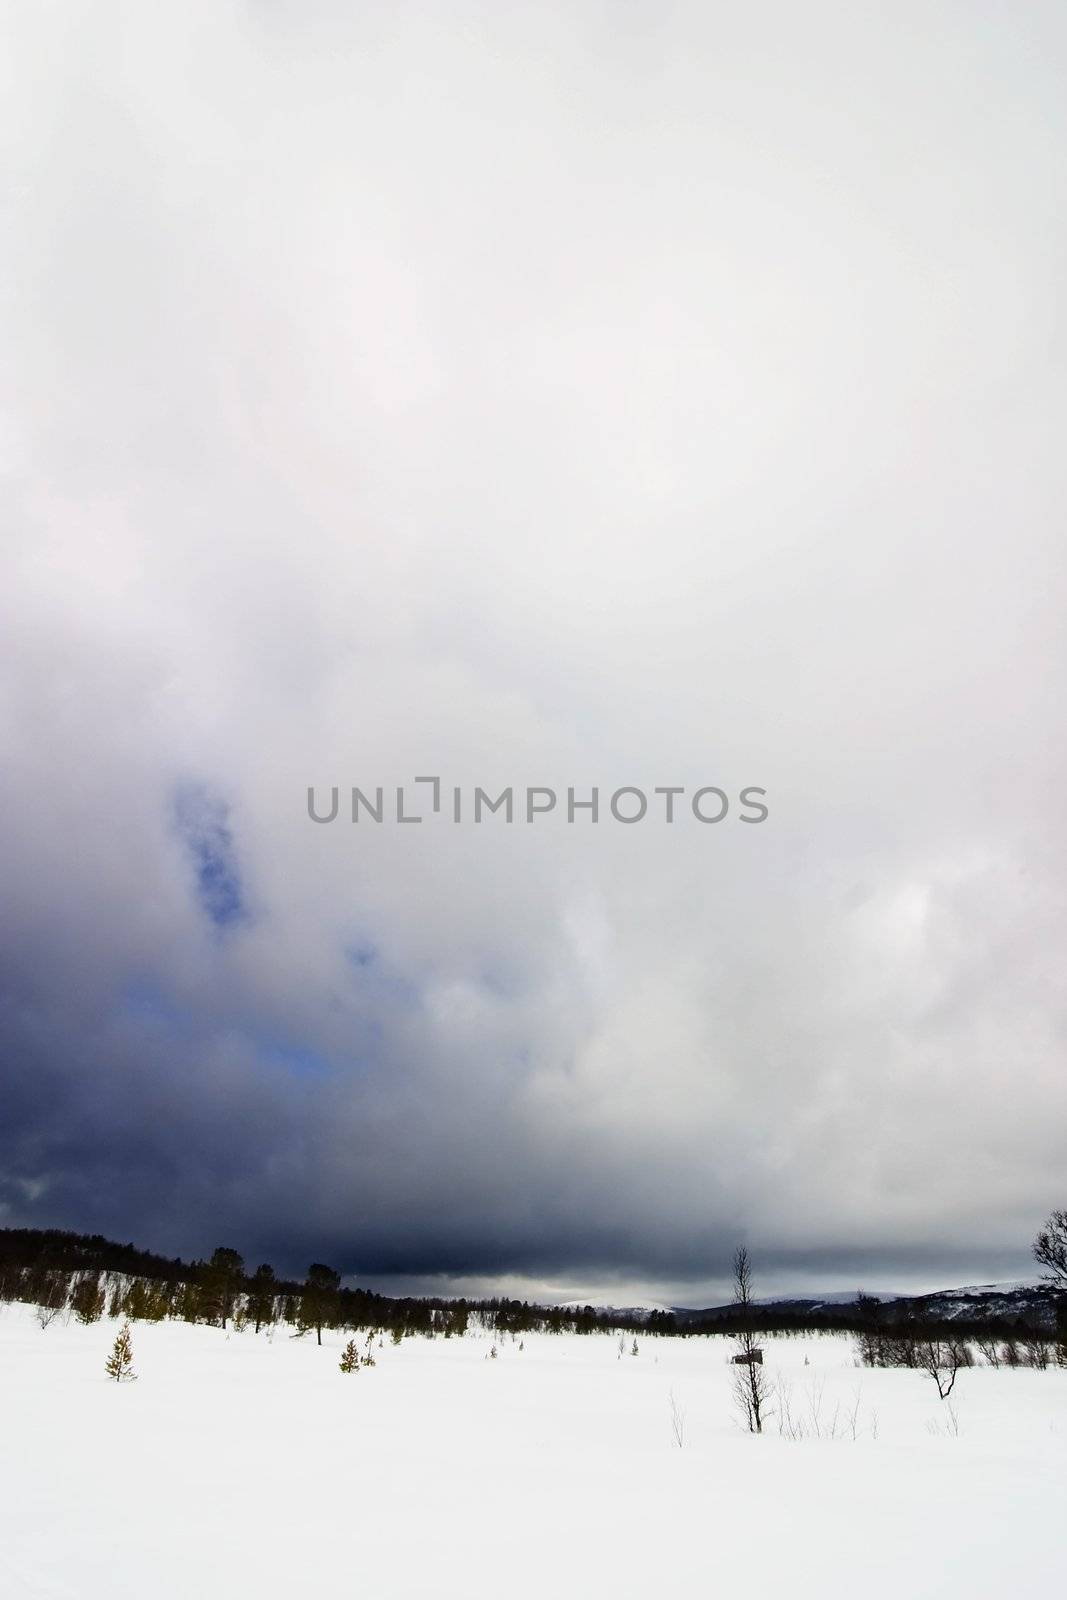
239,1466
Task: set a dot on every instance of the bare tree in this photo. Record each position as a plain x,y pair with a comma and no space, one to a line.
1050,1250
1037,1353
942,1359
751,1391
51,1292
989,1348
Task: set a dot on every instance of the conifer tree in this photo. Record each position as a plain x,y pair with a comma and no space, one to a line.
458,1318
119,1364
135,1305
187,1303
318,1304
157,1302
262,1287
350,1358
220,1283
87,1301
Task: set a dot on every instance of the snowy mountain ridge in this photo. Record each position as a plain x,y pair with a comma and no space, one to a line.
1032,1302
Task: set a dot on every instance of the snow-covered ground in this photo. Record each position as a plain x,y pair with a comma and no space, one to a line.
251,1467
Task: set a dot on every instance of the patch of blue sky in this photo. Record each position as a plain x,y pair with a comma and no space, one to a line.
202,821
144,1000
291,1055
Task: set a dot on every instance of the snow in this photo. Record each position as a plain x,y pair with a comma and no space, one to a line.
241,1466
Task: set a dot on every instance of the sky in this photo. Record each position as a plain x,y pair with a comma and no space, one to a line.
560,395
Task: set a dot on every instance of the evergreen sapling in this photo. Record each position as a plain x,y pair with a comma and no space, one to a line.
119,1364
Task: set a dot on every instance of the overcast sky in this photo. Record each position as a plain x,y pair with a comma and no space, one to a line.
560,394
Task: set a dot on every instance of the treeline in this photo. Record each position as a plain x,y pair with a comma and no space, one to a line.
91,1276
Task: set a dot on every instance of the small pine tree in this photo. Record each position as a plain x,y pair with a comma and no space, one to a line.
368,1359
398,1334
350,1358
119,1364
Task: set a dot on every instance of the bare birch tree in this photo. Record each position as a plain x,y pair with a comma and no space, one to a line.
942,1359
751,1392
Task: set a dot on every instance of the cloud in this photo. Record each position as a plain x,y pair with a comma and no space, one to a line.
536,399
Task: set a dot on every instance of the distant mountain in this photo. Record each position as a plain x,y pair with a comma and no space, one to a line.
1033,1304
1029,1302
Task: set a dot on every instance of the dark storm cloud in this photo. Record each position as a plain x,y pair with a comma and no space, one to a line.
536,397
